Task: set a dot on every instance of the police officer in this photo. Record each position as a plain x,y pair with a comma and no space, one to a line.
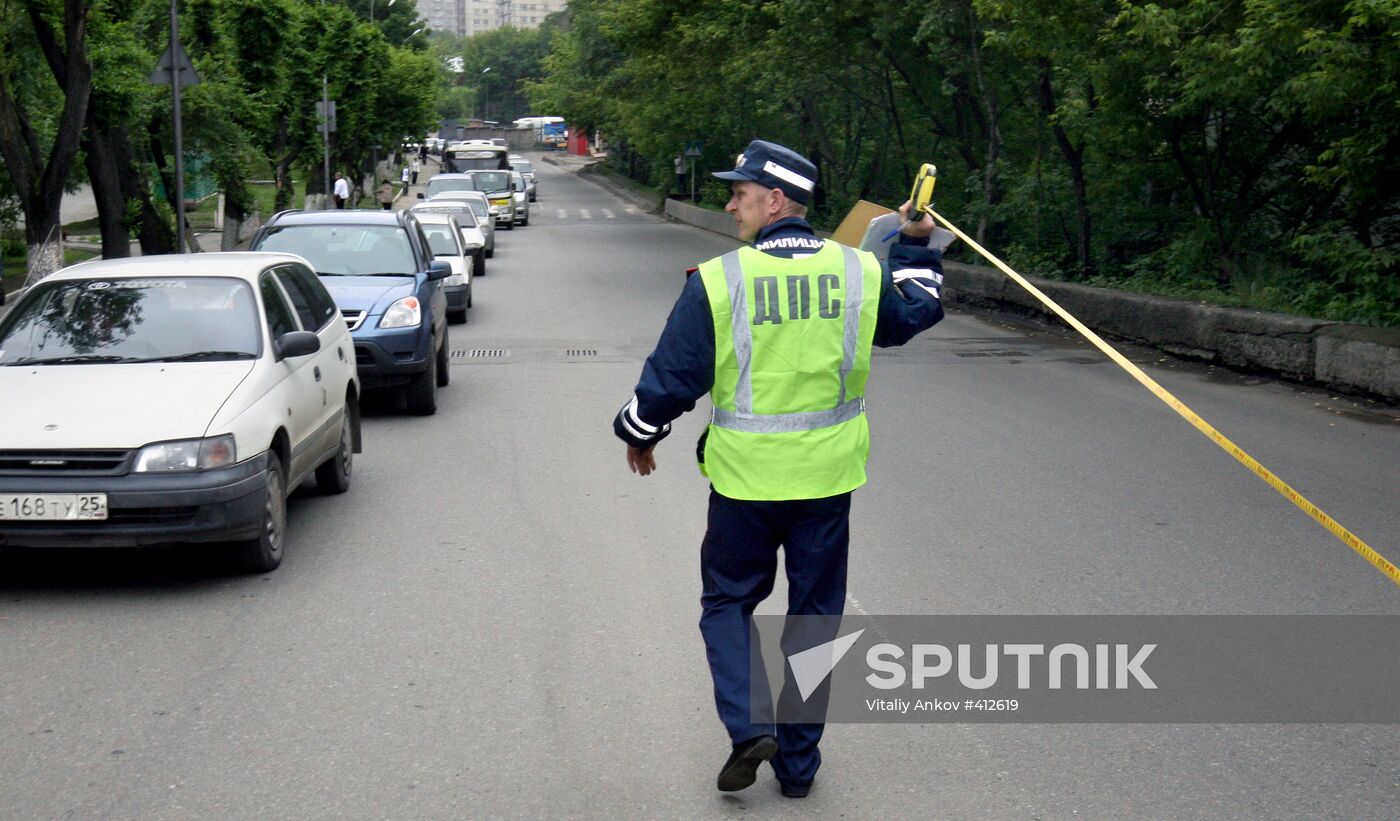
780,336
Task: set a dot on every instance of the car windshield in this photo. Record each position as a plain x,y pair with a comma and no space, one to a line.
132,320
523,167
438,185
345,250
491,181
456,208
441,241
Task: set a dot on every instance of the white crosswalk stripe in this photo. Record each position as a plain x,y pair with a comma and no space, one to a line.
583,212
631,209
609,214
563,214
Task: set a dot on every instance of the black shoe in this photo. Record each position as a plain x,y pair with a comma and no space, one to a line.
795,790
741,769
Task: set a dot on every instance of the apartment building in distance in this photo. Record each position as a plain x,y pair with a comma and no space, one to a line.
467,17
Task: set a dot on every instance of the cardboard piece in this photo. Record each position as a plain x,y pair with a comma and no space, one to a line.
852,228
867,224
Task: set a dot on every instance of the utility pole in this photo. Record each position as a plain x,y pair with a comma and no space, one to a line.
179,132
174,68
326,131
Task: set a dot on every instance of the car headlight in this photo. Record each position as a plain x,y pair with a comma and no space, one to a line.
455,279
187,454
406,313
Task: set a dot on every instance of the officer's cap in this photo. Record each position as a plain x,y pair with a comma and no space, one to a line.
775,166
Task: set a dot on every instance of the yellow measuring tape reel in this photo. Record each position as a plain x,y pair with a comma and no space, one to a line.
1333,526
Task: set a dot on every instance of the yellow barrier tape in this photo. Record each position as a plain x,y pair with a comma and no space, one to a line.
1335,528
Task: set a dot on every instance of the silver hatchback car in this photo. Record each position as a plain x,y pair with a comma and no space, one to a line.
473,239
481,208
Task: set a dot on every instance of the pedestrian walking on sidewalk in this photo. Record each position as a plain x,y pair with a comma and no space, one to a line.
385,195
416,167
780,335
342,190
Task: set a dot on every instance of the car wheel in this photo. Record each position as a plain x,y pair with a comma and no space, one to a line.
491,250
509,226
264,553
422,390
480,263
333,476
444,372
525,221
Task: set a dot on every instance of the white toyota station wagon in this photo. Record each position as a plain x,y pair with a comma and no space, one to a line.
173,399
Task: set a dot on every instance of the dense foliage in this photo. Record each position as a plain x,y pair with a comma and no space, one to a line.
1220,148
262,64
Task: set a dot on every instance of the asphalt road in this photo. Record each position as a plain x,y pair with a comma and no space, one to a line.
499,620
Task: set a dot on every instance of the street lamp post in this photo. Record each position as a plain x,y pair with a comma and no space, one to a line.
485,110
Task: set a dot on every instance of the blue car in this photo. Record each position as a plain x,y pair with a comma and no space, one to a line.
381,273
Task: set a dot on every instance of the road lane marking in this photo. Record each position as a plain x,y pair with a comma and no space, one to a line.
583,212
563,214
609,214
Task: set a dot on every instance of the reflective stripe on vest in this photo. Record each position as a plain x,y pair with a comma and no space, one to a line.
742,418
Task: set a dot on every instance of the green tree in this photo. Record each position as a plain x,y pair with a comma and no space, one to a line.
38,152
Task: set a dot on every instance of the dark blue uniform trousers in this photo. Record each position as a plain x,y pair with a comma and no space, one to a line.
738,564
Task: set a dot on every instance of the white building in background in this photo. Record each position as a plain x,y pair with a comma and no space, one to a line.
444,15
528,14
467,17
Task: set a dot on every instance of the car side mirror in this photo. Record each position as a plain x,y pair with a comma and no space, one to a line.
297,343
439,269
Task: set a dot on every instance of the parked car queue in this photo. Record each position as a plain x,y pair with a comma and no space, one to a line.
180,399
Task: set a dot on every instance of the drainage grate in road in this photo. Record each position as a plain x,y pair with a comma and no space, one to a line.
580,352
481,353
992,353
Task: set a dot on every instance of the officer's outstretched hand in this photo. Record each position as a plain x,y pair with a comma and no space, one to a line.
920,228
641,461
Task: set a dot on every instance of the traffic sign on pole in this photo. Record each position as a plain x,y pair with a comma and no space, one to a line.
326,123
170,61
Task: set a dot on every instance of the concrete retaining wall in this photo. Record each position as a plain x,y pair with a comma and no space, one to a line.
1351,358
717,221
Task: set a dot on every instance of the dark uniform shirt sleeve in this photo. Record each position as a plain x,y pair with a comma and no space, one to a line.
676,375
911,290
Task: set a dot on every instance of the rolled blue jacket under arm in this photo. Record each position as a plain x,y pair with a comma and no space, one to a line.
682,368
